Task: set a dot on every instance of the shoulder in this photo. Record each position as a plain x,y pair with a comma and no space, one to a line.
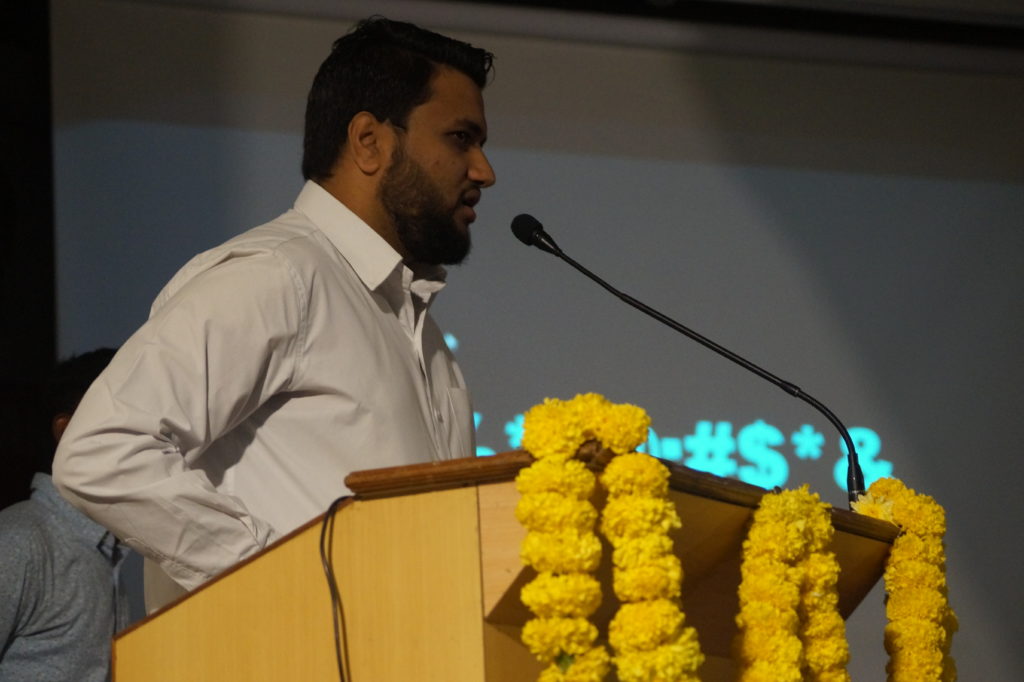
284,252
26,534
23,518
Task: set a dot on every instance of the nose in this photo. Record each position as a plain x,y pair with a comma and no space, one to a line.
480,170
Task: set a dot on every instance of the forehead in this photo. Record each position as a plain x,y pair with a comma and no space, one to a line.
454,97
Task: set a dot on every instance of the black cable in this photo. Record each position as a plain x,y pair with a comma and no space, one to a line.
327,561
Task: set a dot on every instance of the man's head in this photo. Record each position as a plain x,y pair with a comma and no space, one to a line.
395,128
70,380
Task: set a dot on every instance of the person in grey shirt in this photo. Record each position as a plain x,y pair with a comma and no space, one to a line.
59,571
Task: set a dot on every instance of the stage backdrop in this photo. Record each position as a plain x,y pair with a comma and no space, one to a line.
854,228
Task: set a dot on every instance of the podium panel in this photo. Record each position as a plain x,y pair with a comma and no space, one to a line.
427,562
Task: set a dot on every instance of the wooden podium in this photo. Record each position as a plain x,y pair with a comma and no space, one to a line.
426,558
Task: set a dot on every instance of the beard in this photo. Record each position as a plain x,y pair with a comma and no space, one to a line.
423,223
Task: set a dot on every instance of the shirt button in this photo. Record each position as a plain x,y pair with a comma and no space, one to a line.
438,416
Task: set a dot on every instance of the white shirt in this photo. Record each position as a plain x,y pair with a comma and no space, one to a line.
271,367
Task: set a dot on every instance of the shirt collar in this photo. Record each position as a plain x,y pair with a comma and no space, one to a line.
80,525
374,261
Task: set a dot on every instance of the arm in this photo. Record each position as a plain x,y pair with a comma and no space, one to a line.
221,346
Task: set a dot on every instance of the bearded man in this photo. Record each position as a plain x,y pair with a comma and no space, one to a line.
300,351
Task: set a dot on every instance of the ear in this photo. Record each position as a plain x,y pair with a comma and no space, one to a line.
59,423
369,142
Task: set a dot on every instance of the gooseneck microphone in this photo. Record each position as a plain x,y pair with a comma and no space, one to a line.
530,232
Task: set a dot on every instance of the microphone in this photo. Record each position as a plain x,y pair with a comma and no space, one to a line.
530,232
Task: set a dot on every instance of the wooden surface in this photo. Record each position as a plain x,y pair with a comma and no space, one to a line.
427,557
453,473
226,630
504,467
409,570
715,513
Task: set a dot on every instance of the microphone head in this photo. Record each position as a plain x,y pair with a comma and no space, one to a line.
525,227
529,231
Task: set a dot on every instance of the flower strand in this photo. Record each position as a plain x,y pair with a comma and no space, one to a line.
648,632
921,623
789,622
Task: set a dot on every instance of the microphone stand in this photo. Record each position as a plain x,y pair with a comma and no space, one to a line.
533,234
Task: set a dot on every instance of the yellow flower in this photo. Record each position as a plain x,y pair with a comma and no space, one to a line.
917,513
756,615
657,579
890,489
789,624
914,633
675,661
574,595
634,552
781,648
818,601
913,574
591,666
623,428
633,516
766,581
920,514
550,432
651,643
821,572
790,524
550,512
920,603
570,478
912,547
921,624
915,665
561,552
547,638
635,474
645,625
825,647
875,507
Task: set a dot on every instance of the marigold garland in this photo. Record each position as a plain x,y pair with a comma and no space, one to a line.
560,543
789,625
648,632
921,623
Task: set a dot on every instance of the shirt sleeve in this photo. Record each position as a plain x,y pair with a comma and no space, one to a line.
215,351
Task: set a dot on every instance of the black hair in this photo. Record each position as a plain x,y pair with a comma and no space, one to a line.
61,392
383,67
72,377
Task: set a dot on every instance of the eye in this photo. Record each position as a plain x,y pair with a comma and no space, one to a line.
463,138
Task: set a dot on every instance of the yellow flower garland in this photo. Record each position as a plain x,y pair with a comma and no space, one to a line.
921,623
789,625
790,629
560,545
648,632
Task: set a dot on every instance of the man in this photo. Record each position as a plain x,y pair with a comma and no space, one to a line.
277,363
59,600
